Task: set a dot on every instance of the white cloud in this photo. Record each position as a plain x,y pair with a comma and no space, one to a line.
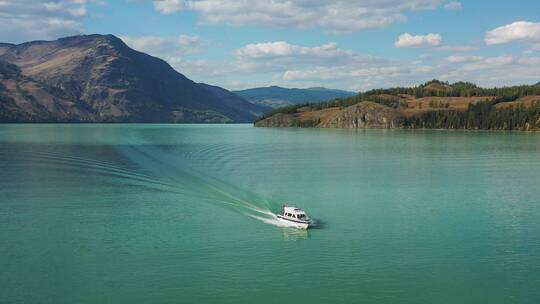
462,59
530,61
408,40
456,48
453,5
517,31
292,65
24,20
334,16
166,48
279,56
490,63
168,6
77,12
284,49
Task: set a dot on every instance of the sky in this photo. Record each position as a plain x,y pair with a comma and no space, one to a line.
353,45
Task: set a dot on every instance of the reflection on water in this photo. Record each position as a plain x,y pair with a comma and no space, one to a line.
293,234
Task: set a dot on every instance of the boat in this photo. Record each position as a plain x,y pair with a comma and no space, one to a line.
294,217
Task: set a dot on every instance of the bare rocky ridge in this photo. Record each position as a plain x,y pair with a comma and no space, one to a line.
278,120
106,81
364,115
361,115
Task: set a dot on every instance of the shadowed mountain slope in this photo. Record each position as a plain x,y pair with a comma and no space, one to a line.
114,83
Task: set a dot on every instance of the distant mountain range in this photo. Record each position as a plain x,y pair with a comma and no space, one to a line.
276,97
98,78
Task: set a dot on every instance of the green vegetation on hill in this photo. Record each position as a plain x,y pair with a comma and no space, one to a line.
480,116
459,89
435,88
476,115
8,70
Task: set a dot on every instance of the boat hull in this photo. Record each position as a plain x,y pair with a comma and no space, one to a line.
293,223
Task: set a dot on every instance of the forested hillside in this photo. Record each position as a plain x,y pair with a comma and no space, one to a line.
435,104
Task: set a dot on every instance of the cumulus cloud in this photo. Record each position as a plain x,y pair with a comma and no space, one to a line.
529,60
491,62
24,20
272,56
461,59
284,49
335,16
453,5
165,47
168,6
287,64
325,65
517,31
407,40
456,48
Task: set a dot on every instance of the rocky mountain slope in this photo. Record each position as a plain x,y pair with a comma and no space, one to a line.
24,99
99,78
431,105
275,96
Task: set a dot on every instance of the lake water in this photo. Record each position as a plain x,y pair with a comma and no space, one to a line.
181,214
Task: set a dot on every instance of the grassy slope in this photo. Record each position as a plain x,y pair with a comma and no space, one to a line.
418,103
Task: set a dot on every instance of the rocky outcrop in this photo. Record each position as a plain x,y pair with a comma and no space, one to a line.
278,120
365,115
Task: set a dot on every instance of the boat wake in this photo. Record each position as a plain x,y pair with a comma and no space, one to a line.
178,169
163,169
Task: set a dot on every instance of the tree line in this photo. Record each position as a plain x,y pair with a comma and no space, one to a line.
480,116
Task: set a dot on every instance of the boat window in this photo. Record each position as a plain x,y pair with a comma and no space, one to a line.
301,215
294,215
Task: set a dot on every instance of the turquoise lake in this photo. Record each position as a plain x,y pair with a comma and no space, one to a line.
180,214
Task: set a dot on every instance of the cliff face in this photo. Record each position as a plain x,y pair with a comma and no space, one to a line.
112,82
365,115
279,120
362,115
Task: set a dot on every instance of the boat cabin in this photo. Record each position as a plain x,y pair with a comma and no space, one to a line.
295,217
293,212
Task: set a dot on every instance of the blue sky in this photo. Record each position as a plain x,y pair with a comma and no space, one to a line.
353,45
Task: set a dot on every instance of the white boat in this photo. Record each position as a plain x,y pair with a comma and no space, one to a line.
294,217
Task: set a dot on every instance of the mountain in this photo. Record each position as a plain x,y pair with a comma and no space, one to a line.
4,47
433,105
24,99
234,101
275,96
99,78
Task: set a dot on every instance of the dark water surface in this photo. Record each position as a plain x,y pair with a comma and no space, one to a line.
181,214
